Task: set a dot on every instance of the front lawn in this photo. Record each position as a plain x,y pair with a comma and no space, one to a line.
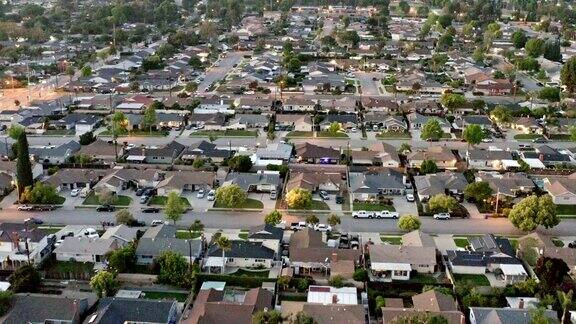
331,135
461,242
137,132
372,207
566,210
248,204
60,132
527,136
319,205
161,200
180,297
394,240
225,133
476,279
559,137
392,135
186,235
121,200
300,134
50,229
558,243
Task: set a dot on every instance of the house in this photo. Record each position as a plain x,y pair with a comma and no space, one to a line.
208,121
262,181
43,308
163,120
507,184
310,153
417,121
489,315
431,302
185,181
166,154
270,236
68,179
310,254
80,123
206,150
315,181
443,157
156,240
372,104
372,185
527,125
536,239
210,306
121,179
274,153
121,233
387,155
85,249
52,154
16,239
391,262
298,104
560,125
346,122
134,310
253,104
299,123
242,254
325,313
461,122
418,238
497,160
9,168
249,121
102,151
549,156
566,254
332,295
479,262
447,182
561,189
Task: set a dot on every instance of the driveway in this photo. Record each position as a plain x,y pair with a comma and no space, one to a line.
71,202
445,242
264,197
199,204
404,207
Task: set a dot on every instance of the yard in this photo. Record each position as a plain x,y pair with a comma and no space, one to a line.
476,279
186,235
121,200
461,242
392,135
421,278
393,240
372,207
138,132
331,135
60,132
161,200
527,136
180,297
244,234
318,205
248,204
559,137
50,229
300,134
569,210
256,273
225,133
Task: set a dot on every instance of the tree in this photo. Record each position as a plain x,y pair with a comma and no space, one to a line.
552,50
122,260
420,318
298,198
452,100
294,65
428,166
573,133
198,163
312,219
336,281
566,302
360,275
25,279
107,197
538,316
568,75
478,191
273,218
478,55
104,283
225,245
551,273
174,207
41,193
87,138
123,216
333,220
267,317
445,21
191,86
207,30
519,38
149,118
173,269
404,148
549,93
473,134
533,211
86,71
5,301
231,196
24,176
442,203
534,47
197,226
409,223
240,163
283,282
303,318
334,128
432,130
501,114
404,7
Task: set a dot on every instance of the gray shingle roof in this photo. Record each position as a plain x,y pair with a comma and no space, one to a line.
38,308
243,249
155,247
245,180
372,182
120,310
487,315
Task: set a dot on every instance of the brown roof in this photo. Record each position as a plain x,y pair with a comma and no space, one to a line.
434,301
542,240
344,268
307,246
77,176
100,148
311,180
418,238
402,254
178,179
307,150
335,314
394,302
284,118
564,253
434,153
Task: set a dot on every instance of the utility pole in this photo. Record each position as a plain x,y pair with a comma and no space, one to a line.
497,199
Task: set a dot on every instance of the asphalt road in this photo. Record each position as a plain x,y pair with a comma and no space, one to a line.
217,73
369,86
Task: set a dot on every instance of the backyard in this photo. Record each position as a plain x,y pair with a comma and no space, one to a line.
475,279
180,297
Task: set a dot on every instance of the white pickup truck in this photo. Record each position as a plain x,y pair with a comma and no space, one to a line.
386,214
363,214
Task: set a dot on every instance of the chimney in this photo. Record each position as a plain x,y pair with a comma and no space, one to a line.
334,257
521,303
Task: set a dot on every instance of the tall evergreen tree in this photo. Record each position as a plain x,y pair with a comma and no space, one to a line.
24,176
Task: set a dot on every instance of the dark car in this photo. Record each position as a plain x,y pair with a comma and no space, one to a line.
151,210
137,223
339,199
540,140
572,245
140,191
33,221
106,208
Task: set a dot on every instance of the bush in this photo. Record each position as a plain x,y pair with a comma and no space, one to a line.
336,281
360,275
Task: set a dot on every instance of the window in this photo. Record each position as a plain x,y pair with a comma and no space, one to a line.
230,259
259,260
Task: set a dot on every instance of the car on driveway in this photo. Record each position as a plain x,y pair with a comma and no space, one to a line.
324,195
25,207
75,192
140,191
105,208
211,195
322,228
200,194
442,216
339,199
151,210
409,197
33,221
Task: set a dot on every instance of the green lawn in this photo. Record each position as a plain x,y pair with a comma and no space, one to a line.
385,135
394,240
514,243
461,242
161,200
527,136
50,230
319,205
476,279
559,137
59,132
331,135
92,199
245,273
243,234
186,235
139,133
372,207
180,297
300,134
424,279
566,209
558,243
248,204
60,200
225,133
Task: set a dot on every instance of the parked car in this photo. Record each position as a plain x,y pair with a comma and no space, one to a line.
442,216
157,222
140,191
106,208
144,199
273,194
540,140
324,195
487,140
25,207
137,223
90,233
75,192
339,199
200,194
211,195
362,214
151,210
572,245
33,221
386,214
409,197
298,226
322,228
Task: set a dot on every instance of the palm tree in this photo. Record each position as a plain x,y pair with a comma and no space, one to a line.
224,244
565,300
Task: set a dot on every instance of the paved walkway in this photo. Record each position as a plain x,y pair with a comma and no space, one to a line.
473,210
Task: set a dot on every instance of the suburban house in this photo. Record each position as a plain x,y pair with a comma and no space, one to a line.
249,121
44,308
123,234
448,182
15,238
489,315
461,122
85,249
497,160
325,313
185,181
166,154
299,123
387,155
102,151
549,156
262,181
372,185
80,123
443,157
270,236
393,262
310,153
206,150
566,254
417,121
379,104
508,184
561,189
431,302
242,254
346,122
208,121
314,181
527,125
310,254
298,104
274,153
134,310
384,122
53,154
156,240
68,179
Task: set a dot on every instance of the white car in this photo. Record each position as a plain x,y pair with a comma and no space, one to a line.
442,216
487,140
362,214
157,222
200,194
90,233
25,207
74,192
298,226
211,195
386,214
409,197
322,228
